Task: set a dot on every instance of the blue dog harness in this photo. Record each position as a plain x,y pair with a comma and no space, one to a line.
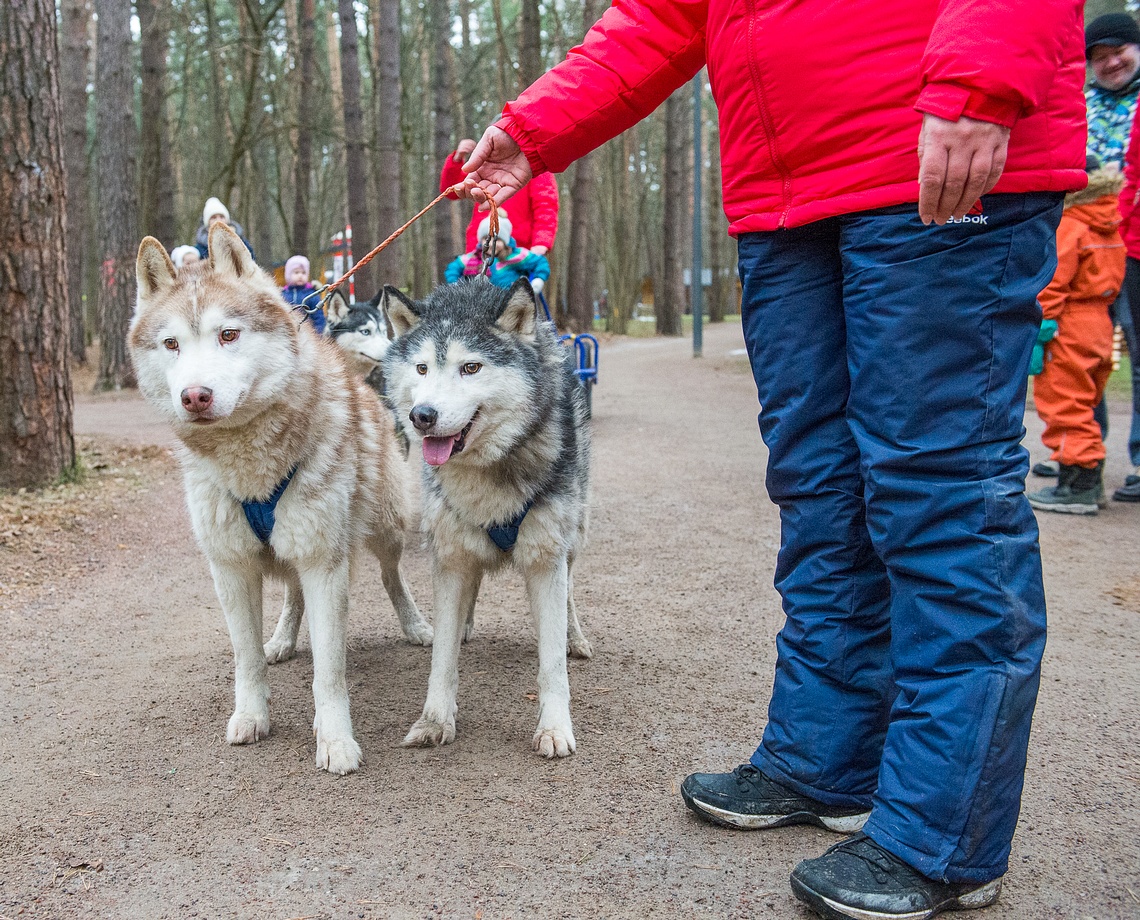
262,516
505,535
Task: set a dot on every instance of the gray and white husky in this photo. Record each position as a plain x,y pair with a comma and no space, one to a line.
490,395
361,332
290,464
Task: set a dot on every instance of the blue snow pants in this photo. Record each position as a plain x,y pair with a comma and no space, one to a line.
891,362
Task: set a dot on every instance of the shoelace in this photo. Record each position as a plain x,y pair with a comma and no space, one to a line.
883,865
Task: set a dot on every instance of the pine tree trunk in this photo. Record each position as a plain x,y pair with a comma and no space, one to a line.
156,186
303,166
389,148
530,44
74,62
669,301
354,144
36,441
116,235
446,248
720,256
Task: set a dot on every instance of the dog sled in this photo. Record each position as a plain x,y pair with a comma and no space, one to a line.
585,347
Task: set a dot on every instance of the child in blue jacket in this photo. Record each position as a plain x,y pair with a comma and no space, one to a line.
511,261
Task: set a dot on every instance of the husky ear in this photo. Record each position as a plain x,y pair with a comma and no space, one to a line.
400,312
519,312
153,269
228,255
336,309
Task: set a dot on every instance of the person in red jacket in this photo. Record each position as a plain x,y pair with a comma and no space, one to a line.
1130,231
896,217
533,212
1076,342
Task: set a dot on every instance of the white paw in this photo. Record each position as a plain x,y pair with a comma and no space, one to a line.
430,733
579,648
339,755
468,630
246,727
278,650
554,742
419,633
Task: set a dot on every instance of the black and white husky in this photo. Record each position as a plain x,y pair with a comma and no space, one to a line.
491,397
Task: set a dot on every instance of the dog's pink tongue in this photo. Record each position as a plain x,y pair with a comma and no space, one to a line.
437,451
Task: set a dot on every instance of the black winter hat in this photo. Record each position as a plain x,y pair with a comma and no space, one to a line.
1111,29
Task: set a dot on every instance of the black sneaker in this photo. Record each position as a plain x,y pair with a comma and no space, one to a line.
749,800
1130,491
859,879
1049,469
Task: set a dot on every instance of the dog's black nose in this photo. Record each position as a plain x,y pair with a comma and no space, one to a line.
423,417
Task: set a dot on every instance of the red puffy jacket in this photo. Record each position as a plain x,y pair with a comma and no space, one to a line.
820,102
533,211
1130,194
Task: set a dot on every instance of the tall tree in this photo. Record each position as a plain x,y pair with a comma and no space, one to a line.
723,285
36,441
442,137
74,64
581,265
354,144
530,44
303,165
669,299
118,203
389,145
156,179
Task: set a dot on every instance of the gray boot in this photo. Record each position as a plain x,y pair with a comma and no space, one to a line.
1078,491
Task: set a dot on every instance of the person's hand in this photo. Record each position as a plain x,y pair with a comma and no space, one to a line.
958,162
496,169
539,250
463,151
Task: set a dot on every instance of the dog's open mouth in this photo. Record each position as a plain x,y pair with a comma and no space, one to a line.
437,451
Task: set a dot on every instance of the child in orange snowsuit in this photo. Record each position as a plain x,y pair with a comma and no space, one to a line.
1077,359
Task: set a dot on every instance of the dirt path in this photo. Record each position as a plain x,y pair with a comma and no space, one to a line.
121,800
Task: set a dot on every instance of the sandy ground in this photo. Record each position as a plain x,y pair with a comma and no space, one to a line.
120,798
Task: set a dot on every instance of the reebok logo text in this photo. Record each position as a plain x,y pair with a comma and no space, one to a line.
969,219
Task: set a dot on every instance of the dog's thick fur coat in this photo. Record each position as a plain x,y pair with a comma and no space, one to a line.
252,397
490,396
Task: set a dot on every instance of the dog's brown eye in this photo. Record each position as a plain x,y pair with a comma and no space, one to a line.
471,367
421,369
228,335
170,344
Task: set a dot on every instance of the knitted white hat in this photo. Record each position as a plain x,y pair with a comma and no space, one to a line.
505,228
178,255
214,206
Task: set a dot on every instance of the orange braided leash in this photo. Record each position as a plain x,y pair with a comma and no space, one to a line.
379,249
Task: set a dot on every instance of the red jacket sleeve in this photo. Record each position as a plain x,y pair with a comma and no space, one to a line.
995,60
543,210
638,53
452,174
1131,190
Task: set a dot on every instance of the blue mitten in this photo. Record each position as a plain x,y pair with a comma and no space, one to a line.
1044,334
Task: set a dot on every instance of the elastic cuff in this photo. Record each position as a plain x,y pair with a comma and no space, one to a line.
507,123
930,866
951,101
762,762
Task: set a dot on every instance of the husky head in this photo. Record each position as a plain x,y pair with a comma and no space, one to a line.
360,329
466,371
213,344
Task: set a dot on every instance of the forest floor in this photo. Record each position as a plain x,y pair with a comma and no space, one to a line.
120,798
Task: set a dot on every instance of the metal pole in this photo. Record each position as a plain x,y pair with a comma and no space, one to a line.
698,268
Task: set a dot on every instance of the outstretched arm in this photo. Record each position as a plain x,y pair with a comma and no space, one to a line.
496,169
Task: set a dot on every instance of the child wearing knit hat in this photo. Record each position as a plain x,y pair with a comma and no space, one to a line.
302,293
213,210
511,260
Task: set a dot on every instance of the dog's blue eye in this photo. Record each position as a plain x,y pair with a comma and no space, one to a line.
471,367
366,332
